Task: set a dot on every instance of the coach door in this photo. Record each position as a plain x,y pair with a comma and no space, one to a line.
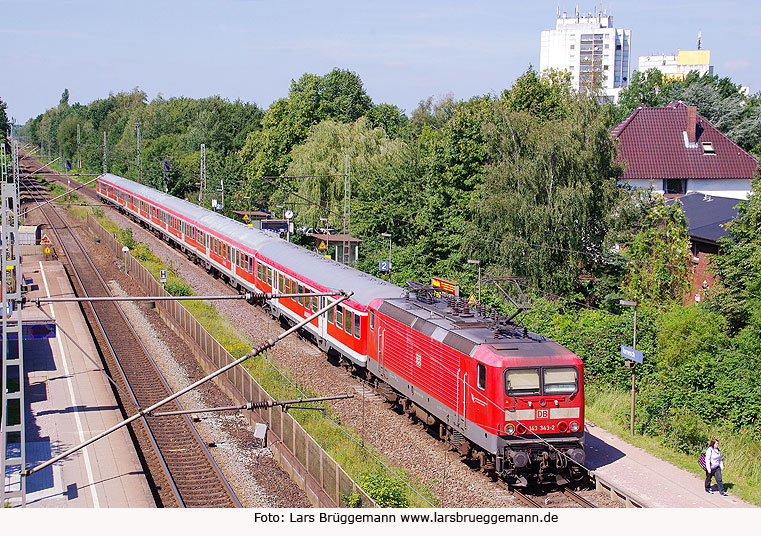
322,320
382,351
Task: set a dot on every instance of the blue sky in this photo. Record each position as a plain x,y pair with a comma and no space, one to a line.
404,51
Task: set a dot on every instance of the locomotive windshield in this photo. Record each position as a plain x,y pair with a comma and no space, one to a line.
554,381
522,382
560,381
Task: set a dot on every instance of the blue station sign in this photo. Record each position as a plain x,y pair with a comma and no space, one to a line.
632,354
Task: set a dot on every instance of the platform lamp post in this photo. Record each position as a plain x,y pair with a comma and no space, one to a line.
473,261
631,364
388,235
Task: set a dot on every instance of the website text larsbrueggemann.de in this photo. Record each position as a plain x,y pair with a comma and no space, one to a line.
412,517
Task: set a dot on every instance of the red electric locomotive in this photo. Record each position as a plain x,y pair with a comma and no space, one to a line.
509,398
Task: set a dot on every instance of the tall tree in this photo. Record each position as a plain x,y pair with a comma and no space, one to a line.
339,95
550,184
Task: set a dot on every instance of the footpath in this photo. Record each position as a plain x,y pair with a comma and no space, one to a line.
657,483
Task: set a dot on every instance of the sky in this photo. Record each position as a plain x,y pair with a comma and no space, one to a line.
404,51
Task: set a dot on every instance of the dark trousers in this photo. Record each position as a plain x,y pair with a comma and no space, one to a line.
715,473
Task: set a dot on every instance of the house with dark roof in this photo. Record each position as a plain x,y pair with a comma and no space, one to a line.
706,217
674,150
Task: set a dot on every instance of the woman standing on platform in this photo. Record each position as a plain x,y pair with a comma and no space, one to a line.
714,465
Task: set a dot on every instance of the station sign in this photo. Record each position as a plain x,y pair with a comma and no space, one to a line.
278,226
446,286
632,354
162,277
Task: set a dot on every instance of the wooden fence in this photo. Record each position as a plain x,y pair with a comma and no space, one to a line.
324,481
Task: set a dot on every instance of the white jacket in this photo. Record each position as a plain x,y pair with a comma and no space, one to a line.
713,459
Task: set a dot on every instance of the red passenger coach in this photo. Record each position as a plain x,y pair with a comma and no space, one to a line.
507,398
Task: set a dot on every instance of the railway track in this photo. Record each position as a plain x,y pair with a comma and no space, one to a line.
181,467
551,499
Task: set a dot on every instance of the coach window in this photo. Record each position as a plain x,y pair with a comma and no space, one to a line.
269,276
347,321
281,282
481,376
357,326
560,380
315,304
332,315
372,320
339,316
301,298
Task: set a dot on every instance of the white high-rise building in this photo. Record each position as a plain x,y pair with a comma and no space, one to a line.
590,49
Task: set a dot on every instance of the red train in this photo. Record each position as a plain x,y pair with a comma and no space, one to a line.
507,398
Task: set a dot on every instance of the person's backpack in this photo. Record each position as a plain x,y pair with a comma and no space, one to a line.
702,461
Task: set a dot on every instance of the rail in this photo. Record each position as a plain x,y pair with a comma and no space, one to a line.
298,454
200,484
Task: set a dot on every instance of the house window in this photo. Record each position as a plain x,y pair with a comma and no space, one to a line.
674,186
708,148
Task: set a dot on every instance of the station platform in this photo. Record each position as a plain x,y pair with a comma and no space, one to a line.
658,483
68,400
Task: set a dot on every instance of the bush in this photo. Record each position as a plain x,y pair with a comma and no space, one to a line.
686,431
388,492
125,237
178,288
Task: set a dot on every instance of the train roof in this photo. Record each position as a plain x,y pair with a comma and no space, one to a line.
313,266
466,331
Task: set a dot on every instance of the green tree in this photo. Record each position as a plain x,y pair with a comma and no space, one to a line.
643,89
4,124
433,116
738,265
660,257
545,97
321,160
64,102
542,210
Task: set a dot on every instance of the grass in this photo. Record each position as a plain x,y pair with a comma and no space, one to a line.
347,451
742,454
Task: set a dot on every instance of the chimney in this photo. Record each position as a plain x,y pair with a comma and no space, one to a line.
692,116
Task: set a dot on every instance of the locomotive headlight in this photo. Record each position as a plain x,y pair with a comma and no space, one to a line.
509,429
574,427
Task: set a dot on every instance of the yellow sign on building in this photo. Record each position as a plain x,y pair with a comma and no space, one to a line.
693,57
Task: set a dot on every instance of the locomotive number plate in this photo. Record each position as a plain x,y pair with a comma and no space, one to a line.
542,414
542,428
